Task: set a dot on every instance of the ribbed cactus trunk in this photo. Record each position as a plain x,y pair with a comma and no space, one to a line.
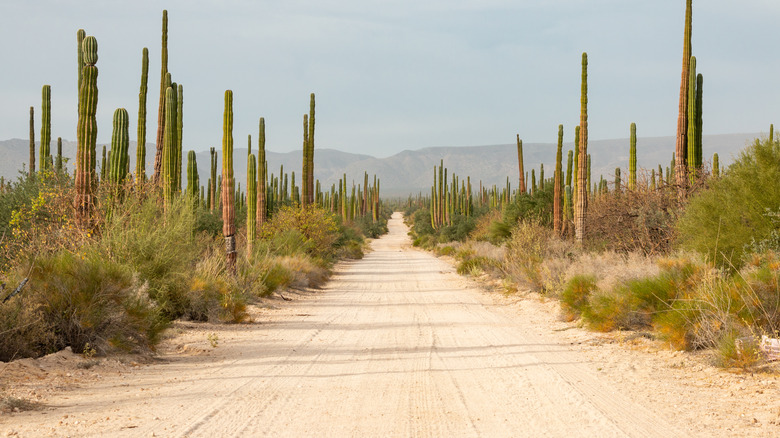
104,165
575,171
213,180
698,145
691,140
251,203
228,208
618,182
558,187
309,177
193,180
140,151
541,176
32,141
158,157
45,152
168,168
262,167
771,133
582,167
520,165
58,160
120,142
681,146
632,159
715,166
179,132
87,134
305,164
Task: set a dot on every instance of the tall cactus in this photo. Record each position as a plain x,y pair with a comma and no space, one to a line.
228,209
158,157
771,133
681,146
251,202
618,182
691,141
632,159
140,153
80,35
521,187
698,145
715,165
45,154
120,142
310,175
582,171
104,165
58,160
558,185
87,133
193,180
168,168
262,168
305,168
213,180
179,129
32,141
575,170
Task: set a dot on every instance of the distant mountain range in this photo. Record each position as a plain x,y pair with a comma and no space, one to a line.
411,171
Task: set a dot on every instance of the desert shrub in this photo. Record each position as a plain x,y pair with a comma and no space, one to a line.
477,265
313,229
736,210
576,294
23,330
88,299
215,299
481,231
159,245
633,221
529,253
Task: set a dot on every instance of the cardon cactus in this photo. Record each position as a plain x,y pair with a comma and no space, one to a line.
169,148
558,185
213,180
715,166
140,154
158,157
305,166
310,174
228,209
80,35
193,180
632,159
617,181
179,129
45,154
58,160
120,142
681,146
520,165
261,175
87,134
32,141
692,141
582,167
251,202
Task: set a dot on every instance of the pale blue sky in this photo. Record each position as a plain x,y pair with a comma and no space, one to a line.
397,74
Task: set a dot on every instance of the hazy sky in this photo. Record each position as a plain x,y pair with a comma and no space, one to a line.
391,75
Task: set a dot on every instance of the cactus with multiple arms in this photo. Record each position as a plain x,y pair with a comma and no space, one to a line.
558,185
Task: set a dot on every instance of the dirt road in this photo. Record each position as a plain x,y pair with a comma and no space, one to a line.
393,346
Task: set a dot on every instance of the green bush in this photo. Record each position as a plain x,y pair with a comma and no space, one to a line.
576,295
736,210
159,246
86,299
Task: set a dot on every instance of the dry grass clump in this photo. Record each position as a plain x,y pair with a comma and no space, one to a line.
535,256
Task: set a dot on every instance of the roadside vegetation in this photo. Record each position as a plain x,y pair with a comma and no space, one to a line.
704,274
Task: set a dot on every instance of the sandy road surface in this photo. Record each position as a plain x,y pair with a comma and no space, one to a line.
394,346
